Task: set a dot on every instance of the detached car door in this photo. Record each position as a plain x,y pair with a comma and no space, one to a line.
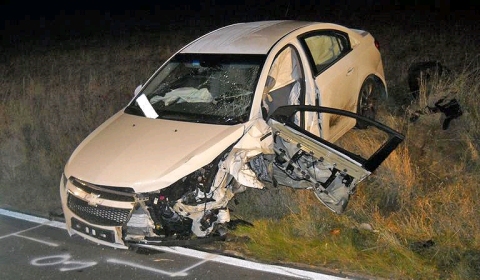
305,161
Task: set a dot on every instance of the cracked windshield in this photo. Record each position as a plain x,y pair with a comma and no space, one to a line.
203,88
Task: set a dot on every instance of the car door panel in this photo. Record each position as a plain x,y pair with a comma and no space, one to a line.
304,160
334,64
337,86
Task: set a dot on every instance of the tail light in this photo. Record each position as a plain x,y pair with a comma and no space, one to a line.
377,44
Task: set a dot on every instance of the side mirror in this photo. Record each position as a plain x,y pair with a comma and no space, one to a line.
137,90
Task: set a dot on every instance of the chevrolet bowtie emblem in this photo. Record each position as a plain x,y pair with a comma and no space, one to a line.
93,199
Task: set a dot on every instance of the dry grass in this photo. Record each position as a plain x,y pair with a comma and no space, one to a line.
427,190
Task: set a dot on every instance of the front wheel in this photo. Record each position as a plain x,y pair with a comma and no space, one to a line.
368,101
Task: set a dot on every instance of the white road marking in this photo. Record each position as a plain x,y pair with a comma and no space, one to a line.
62,260
134,265
184,271
32,219
287,271
15,233
50,260
38,240
77,265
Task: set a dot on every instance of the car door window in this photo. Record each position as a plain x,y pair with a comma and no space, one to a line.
325,48
284,84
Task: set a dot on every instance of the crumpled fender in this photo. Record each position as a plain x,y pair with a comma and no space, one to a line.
257,140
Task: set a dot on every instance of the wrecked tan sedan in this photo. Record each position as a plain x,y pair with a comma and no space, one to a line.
246,106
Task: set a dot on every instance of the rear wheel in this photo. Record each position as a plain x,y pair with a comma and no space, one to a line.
367,101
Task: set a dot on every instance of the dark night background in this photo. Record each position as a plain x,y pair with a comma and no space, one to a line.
43,23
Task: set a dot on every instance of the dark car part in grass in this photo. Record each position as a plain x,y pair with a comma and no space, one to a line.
424,72
421,74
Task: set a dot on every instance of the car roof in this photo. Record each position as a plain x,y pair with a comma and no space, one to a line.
245,38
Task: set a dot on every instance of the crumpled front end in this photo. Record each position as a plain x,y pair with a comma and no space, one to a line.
117,216
193,207
102,224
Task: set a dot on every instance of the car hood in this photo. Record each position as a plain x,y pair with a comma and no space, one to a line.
147,154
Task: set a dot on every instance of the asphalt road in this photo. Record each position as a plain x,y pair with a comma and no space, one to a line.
36,248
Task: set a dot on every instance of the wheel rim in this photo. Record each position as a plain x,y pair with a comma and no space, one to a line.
367,100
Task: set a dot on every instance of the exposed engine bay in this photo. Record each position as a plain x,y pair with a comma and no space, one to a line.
195,204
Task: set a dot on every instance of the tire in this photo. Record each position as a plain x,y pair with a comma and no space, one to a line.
368,101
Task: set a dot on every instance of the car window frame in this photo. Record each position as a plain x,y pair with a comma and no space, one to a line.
340,36
301,62
284,115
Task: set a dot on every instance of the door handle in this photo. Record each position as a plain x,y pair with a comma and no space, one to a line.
350,71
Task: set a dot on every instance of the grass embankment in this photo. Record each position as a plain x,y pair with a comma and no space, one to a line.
416,217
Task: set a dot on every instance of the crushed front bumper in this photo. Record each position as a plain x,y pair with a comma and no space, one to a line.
93,217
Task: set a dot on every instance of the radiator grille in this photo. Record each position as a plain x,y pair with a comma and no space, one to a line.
99,215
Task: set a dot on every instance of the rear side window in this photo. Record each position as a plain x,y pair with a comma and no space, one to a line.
325,48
